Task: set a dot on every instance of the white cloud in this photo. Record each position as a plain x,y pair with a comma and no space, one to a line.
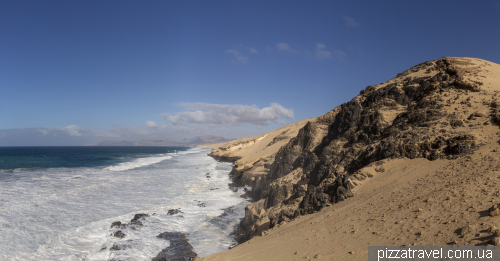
44,132
72,130
253,50
349,21
321,52
152,124
226,114
239,57
284,47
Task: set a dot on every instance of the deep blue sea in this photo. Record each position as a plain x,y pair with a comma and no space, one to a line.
58,203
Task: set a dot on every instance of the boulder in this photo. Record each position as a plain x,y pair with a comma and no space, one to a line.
179,249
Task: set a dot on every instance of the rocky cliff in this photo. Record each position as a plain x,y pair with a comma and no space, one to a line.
424,112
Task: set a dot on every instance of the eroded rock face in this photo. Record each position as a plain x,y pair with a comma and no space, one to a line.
405,117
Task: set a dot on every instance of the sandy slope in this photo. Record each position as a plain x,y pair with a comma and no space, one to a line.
211,146
405,202
251,150
253,154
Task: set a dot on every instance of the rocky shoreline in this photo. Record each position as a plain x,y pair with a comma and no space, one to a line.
180,248
236,184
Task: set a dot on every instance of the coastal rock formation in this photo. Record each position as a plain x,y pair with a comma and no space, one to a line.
133,224
174,211
252,156
179,248
423,112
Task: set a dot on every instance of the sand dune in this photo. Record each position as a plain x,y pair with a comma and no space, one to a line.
428,176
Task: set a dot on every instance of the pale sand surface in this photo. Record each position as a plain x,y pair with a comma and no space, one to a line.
250,150
406,202
211,146
254,148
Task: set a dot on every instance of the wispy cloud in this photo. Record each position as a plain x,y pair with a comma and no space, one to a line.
237,55
44,132
284,47
152,124
349,21
339,54
240,53
228,114
321,52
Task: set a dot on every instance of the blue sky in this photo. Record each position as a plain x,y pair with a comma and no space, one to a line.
79,72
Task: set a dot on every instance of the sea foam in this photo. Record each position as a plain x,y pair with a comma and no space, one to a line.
137,163
66,213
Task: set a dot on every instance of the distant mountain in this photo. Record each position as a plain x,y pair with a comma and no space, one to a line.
198,140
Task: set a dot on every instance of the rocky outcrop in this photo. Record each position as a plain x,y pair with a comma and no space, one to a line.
179,248
133,224
421,113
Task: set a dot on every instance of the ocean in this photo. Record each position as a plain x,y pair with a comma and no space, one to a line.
58,203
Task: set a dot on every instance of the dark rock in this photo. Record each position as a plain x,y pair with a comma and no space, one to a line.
475,115
138,216
179,249
133,224
463,144
136,221
174,211
438,142
120,246
225,158
119,234
456,123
